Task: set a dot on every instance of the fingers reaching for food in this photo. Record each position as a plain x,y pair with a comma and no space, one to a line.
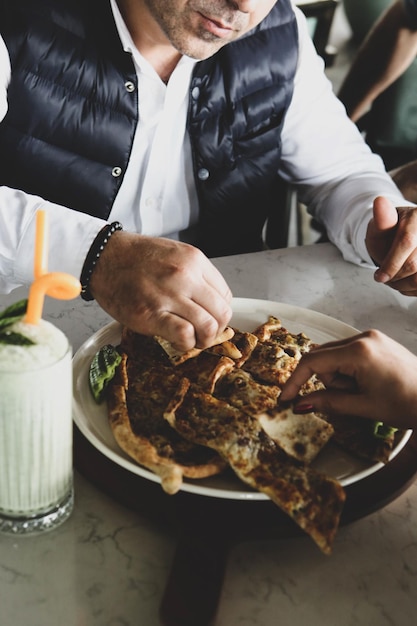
162,287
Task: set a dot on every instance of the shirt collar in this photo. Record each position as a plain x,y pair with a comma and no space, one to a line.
125,37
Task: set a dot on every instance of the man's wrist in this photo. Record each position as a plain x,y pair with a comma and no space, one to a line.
93,256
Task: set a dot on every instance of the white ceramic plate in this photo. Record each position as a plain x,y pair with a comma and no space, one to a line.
91,418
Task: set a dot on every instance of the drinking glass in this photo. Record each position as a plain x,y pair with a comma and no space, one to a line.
36,470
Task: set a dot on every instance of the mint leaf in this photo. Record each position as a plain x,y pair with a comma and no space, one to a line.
17,309
8,321
13,313
15,339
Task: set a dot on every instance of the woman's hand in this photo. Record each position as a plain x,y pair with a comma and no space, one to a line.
368,375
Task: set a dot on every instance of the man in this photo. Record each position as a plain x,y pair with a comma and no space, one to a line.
174,118
386,53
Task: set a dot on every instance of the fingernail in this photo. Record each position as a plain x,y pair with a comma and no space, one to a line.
303,407
381,277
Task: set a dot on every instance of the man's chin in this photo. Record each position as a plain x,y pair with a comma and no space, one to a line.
201,50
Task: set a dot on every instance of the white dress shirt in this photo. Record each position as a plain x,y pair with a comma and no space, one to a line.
323,154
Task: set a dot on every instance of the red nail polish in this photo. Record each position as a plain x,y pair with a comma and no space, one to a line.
303,407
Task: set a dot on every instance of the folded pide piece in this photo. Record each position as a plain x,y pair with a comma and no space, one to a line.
300,436
177,357
136,399
194,414
312,500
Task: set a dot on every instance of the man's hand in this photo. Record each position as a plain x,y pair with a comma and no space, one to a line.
391,240
368,375
157,286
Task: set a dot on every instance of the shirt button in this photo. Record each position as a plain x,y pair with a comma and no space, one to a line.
116,171
203,174
130,86
195,93
150,203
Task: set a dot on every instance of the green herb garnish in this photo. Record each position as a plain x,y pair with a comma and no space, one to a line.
8,321
15,339
102,370
12,314
382,431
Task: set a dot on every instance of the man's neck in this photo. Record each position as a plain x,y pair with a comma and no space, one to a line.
149,38
163,63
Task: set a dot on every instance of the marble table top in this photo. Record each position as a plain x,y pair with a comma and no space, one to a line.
108,565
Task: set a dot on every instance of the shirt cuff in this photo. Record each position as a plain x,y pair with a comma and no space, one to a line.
70,235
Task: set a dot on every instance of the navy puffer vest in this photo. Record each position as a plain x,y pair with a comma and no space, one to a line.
73,112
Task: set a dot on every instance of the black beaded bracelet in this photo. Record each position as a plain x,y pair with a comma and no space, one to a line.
93,256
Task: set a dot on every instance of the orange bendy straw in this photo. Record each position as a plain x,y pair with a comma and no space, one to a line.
55,284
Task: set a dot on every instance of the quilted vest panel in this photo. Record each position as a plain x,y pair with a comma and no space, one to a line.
71,118
239,99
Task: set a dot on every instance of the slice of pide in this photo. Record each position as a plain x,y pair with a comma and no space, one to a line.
239,388
144,350
312,500
300,436
245,343
206,369
264,331
227,348
271,363
146,353
276,353
356,435
273,330
135,407
176,356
